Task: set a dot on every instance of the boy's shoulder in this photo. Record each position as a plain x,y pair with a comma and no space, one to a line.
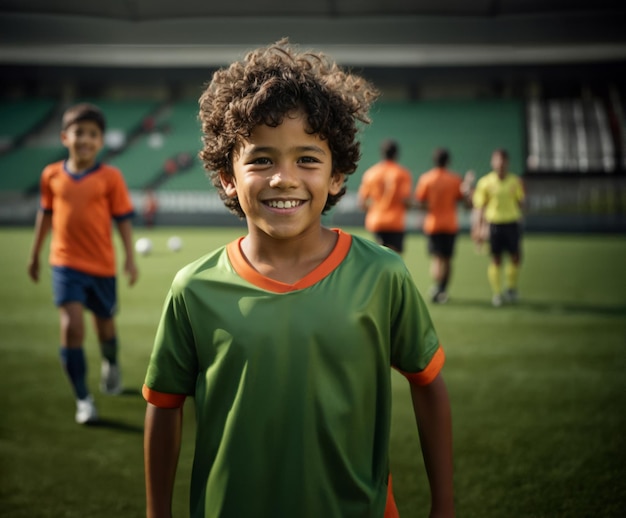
378,256
53,168
107,169
212,265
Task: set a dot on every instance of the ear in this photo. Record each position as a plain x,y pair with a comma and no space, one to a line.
64,138
336,183
228,183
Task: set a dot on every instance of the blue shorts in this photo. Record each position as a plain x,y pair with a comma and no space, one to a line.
98,294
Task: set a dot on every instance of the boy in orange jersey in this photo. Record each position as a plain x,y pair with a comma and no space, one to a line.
439,191
385,194
79,197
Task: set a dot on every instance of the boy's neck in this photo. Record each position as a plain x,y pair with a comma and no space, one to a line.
77,167
288,260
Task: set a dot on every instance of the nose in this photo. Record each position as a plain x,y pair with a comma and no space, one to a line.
285,177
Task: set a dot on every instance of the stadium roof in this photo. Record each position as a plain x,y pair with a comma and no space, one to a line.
400,33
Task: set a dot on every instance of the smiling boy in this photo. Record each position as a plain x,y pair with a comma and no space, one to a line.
79,198
285,337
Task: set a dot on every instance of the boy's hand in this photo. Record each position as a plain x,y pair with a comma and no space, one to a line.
130,268
33,269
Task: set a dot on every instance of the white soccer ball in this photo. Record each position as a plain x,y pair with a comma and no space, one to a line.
174,243
143,245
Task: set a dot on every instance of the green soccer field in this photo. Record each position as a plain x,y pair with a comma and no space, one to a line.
538,389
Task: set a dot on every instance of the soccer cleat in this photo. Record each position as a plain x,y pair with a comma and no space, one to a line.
86,411
496,301
511,296
110,379
441,297
433,292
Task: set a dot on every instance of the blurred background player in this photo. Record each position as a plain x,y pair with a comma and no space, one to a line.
439,191
79,197
498,200
385,196
150,207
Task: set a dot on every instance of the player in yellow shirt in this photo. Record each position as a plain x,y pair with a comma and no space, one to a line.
498,201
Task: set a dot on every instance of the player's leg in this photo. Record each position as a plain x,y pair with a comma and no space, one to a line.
69,295
110,373
495,265
436,266
71,352
102,301
513,266
446,252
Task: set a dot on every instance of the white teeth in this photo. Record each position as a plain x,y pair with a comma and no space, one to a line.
283,204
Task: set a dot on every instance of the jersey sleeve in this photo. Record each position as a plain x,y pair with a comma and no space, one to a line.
173,367
415,348
405,186
364,188
479,199
421,190
46,196
458,183
520,192
120,201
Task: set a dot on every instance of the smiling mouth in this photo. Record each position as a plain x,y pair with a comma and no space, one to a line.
284,204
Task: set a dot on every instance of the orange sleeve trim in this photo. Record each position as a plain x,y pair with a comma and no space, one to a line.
162,399
247,272
391,510
430,372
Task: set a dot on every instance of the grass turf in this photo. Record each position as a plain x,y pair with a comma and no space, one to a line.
538,390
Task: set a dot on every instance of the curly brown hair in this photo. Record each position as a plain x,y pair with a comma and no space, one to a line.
269,83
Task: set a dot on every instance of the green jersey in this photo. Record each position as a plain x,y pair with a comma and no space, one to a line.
292,383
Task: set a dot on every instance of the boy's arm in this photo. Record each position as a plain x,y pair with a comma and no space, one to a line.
467,188
126,233
43,224
162,437
432,414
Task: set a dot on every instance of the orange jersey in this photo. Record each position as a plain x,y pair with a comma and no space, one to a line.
387,187
440,189
82,208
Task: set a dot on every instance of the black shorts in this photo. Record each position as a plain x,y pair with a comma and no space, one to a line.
505,237
441,245
393,240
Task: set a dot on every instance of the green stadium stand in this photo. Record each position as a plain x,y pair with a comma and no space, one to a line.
470,129
194,179
143,162
124,115
21,168
18,117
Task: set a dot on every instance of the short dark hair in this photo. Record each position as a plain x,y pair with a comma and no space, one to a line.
83,112
389,149
502,152
441,157
264,87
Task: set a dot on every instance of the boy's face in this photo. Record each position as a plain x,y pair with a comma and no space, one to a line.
282,178
84,140
499,163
